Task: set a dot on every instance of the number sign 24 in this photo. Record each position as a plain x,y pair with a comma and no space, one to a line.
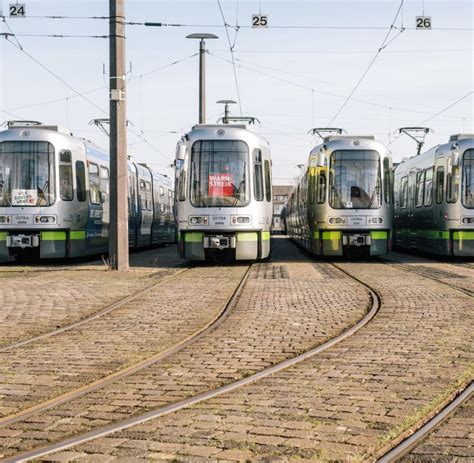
259,20
17,10
423,22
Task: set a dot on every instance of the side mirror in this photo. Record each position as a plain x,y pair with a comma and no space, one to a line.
455,158
180,151
321,159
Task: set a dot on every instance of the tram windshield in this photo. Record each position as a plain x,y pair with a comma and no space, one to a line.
26,173
354,180
219,173
468,179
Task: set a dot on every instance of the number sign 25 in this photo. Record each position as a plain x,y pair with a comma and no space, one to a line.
17,10
259,20
423,22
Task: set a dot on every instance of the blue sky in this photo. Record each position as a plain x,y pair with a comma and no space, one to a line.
290,78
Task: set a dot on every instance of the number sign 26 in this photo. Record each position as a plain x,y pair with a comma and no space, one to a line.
17,10
423,22
259,20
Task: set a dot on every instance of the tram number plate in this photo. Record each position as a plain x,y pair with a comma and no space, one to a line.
218,220
17,10
356,221
22,220
423,22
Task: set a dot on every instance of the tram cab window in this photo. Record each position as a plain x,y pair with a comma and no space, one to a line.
452,184
94,183
428,200
182,185
403,192
420,188
386,180
322,187
80,181
439,184
312,184
66,191
257,175
104,184
268,182
468,179
132,194
142,195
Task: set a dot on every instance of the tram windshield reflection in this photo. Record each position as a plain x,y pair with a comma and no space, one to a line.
354,180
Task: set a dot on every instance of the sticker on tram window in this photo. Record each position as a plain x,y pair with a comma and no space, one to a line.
24,197
221,185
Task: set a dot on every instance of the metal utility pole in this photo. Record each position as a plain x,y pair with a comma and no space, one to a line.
202,72
118,236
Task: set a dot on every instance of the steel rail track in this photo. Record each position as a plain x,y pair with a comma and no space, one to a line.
136,367
375,304
409,443
100,313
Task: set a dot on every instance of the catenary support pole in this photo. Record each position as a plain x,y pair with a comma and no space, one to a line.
118,238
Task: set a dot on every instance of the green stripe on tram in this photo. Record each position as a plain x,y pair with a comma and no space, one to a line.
265,235
193,237
3,236
53,236
77,235
463,235
379,235
332,235
250,236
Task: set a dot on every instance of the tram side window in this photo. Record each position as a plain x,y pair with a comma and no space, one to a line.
439,184
182,185
170,200
419,192
452,185
131,194
162,200
386,180
258,175
428,200
312,185
94,183
104,183
468,179
80,181
66,191
322,188
403,192
142,195
268,182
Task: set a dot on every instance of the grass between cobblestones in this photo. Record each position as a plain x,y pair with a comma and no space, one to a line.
414,422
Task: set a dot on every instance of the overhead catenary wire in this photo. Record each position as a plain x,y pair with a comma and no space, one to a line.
385,43
320,92
231,48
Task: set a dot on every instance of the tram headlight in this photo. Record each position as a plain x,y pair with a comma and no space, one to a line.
5,219
337,220
240,219
374,220
45,219
199,220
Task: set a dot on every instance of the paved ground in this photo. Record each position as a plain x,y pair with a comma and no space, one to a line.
31,307
170,312
341,405
286,307
453,442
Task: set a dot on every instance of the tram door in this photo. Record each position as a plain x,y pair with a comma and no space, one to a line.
411,208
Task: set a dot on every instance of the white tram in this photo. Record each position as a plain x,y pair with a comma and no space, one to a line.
223,201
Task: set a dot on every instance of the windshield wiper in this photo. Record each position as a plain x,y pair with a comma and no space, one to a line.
41,192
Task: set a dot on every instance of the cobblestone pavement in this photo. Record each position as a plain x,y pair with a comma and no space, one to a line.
447,271
341,405
286,307
452,442
30,307
142,327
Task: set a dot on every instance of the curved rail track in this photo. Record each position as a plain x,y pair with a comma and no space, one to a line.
100,313
409,443
136,367
375,304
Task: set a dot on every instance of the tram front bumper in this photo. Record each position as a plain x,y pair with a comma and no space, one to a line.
333,242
